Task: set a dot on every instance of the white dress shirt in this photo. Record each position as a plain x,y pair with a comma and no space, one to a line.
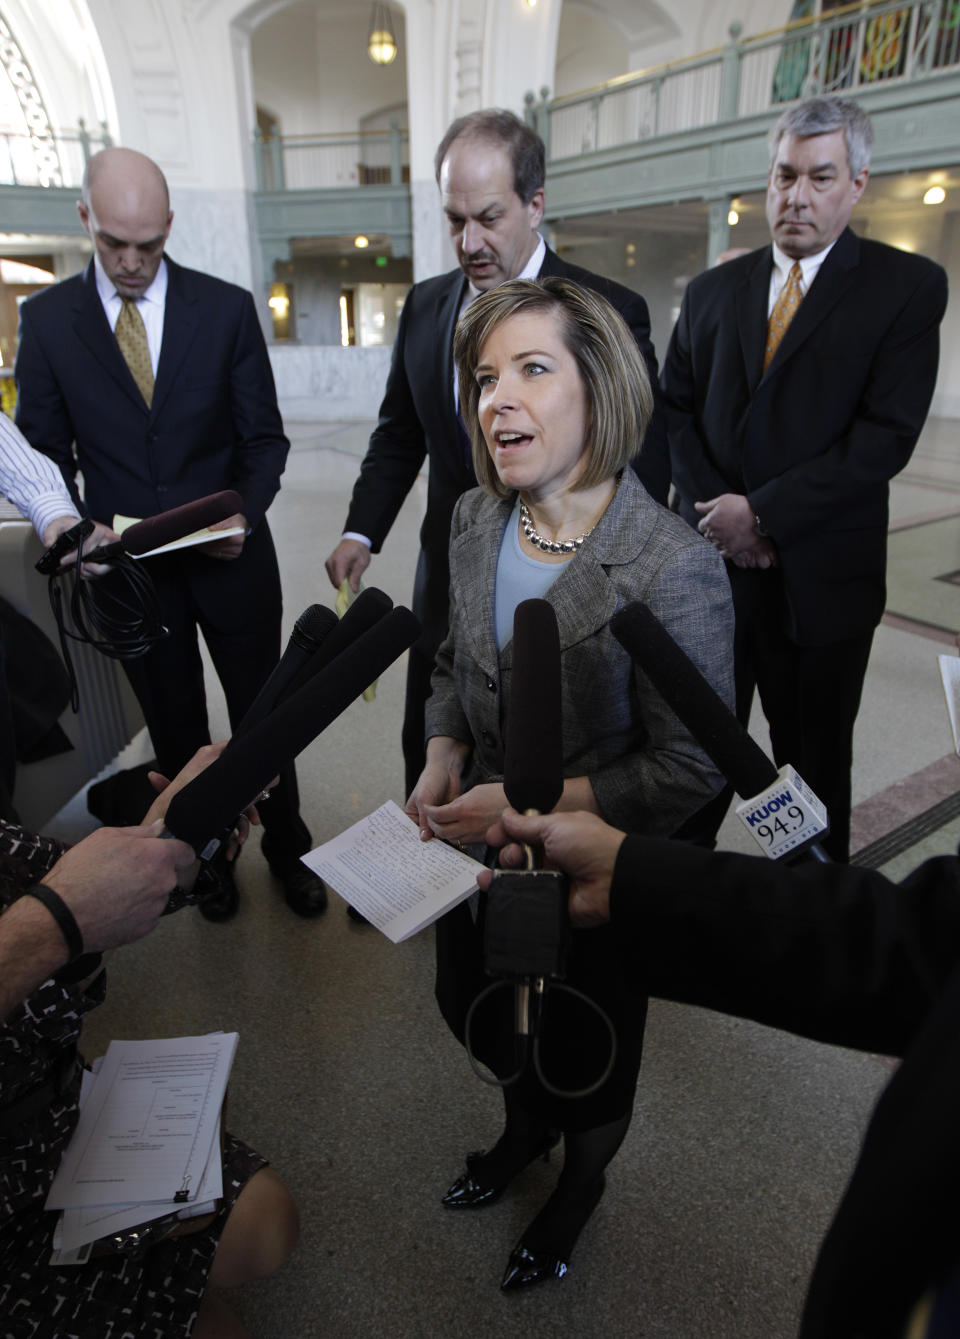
782,265
31,480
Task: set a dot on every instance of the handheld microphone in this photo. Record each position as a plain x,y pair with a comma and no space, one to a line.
533,746
734,752
155,531
209,804
310,631
525,928
370,606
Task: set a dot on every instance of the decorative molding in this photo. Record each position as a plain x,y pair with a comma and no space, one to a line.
468,58
17,70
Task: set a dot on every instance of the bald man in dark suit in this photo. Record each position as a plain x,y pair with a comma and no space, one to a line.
182,407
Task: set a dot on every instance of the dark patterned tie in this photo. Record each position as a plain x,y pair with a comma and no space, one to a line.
131,336
784,310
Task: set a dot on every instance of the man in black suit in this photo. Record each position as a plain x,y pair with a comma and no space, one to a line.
155,382
832,952
490,168
795,386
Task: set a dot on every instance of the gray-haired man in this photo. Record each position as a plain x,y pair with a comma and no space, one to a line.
795,386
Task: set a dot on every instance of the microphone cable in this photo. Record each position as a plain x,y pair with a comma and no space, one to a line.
541,996
121,620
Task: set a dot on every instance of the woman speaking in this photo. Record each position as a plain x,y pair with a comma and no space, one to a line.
557,398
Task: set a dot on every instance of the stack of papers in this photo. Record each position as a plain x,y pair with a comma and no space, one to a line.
147,1142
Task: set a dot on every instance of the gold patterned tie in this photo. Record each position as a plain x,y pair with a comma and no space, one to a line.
784,310
131,336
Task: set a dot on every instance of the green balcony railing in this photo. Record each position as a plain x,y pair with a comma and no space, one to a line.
853,48
48,158
321,162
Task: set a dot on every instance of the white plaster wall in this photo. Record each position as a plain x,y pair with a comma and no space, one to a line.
710,28
311,68
519,51
431,93
327,382
175,74
211,232
589,51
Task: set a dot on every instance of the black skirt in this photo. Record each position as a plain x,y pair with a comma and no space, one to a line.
574,1040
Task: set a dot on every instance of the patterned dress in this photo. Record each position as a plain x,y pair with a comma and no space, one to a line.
111,1297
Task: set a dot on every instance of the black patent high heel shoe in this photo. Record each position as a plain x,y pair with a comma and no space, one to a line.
473,1191
528,1265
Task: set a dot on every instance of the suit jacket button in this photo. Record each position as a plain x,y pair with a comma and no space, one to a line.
492,685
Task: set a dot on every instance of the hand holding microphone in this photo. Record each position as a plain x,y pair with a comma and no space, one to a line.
61,526
526,922
207,808
580,844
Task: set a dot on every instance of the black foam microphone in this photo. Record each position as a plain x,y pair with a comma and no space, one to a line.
533,747
310,631
155,531
525,927
701,709
708,718
210,803
370,606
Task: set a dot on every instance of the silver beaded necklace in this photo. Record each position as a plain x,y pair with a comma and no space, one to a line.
549,545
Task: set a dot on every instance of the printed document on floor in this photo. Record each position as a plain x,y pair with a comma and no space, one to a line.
399,883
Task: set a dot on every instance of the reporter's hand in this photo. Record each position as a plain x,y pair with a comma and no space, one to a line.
116,882
580,844
100,534
350,559
232,546
166,790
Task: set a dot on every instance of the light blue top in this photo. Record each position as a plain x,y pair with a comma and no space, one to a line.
519,578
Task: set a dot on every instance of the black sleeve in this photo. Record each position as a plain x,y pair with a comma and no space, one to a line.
832,952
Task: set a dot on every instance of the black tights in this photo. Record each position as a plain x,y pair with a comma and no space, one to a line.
586,1153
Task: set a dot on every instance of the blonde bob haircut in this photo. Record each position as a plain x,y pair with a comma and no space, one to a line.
615,377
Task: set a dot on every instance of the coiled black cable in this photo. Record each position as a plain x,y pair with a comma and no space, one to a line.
537,1064
118,614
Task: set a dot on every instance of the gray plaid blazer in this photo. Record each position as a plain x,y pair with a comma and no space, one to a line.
647,772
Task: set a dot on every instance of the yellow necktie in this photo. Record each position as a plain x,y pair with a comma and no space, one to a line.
784,310
131,336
